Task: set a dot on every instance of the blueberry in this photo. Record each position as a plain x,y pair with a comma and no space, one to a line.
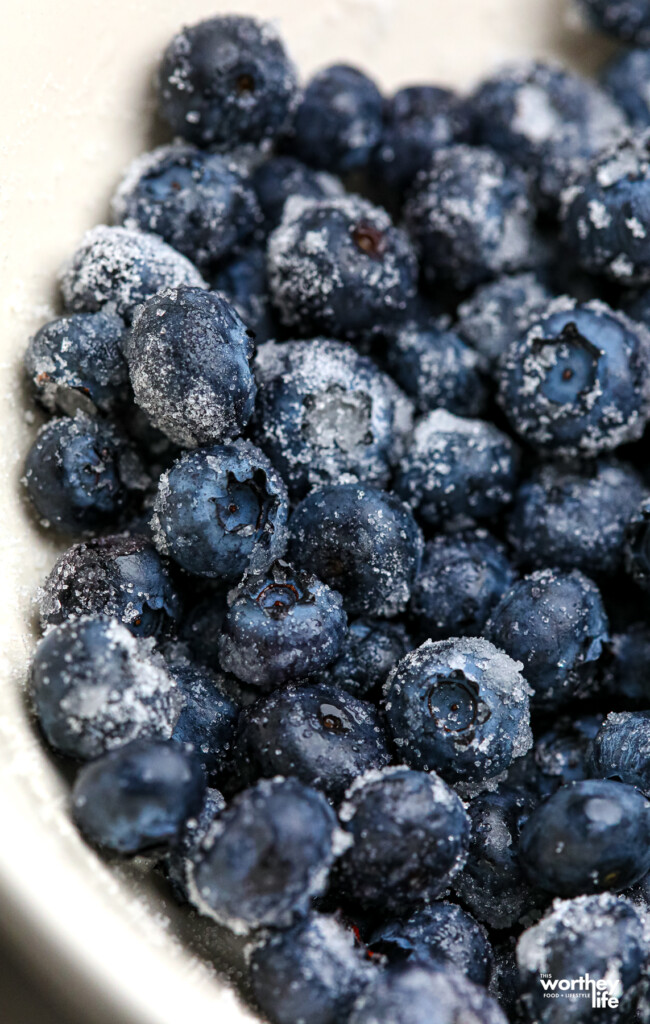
281,625
563,753
578,381
221,510
637,544
437,369
417,121
324,411
75,363
242,281
115,269
555,623
138,796
188,845
95,686
463,577
497,313
627,20
410,835
442,932
411,993
318,733
225,81
339,120
199,203
625,672
625,79
545,119
120,577
575,517
313,972
621,749
360,541
281,177
79,473
265,857
188,354
591,835
600,936
339,267
457,469
470,217
459,707
369,651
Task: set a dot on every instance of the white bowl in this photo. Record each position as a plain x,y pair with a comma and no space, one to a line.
75,82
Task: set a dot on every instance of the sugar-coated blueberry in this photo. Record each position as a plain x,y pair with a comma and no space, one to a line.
497,313
188,844
371,648
281,177
627,20
562,754
621,749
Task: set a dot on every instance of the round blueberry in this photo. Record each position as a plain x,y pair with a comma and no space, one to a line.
371,648
281,177
625,665
563,753
627,20
625,79
621,749
497,313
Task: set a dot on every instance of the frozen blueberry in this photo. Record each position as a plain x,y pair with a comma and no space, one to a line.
79,473
324,411
138,796
470,217
437,369
410,993
339,120
578,381
281,625
625,665
545,119
198,202
621,749
339,267
410,835
188,354
463,577
417,121
313,972
591,835
242,281
360,541
457,468
497,313
115,269
319,734
440,932
575,517
226,80
563,753
120,577
600,936
459,707
369,651
281,177
75,363
627,20
184,851
221,510
95,686
625,78
265,857
555,623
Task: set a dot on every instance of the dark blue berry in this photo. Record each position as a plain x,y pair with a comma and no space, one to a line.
242,281
563,754
281,177
185,850
625,665
625,79
496,314
637,545
370,650
627,20
621,749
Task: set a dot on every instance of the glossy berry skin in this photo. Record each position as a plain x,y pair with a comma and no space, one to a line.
578,381
221,510
621,749
339,120
589,836
371,648
627,20
625,79
637,545
457,469
566,627
497,313
442,932
360,541
318,733
281,625
78,474
115,269
138,796
417,120
242,281
339,267
470,217
458,707
265,857
95,687
410,834
226,80
575,517
324,411
463,576
281,177
198,202
75,363
188,353
187,847
313,972
119,577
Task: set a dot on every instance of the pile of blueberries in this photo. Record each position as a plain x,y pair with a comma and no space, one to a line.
347,406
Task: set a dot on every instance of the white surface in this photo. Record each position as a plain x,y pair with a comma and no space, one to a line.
76,106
